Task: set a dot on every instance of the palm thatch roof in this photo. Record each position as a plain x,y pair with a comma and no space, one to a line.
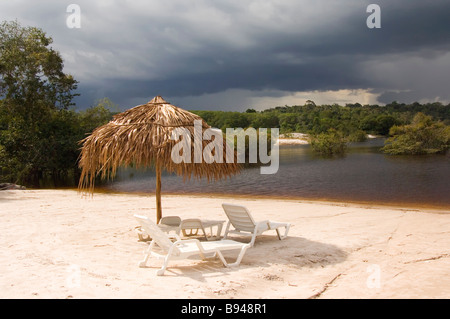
141,136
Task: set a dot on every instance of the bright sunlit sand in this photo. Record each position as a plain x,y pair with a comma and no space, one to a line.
56,244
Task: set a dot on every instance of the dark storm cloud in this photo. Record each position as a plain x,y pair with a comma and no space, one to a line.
131,51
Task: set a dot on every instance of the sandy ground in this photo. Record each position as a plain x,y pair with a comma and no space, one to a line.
56,244
293,139
302,139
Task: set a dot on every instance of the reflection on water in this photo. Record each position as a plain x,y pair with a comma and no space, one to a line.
364,174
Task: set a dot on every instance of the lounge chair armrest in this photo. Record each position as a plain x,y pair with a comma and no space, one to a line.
183,241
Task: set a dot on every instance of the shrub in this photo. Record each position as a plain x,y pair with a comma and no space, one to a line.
422,136
329,143
357,136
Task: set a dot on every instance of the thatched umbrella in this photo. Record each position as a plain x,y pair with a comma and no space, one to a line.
142,136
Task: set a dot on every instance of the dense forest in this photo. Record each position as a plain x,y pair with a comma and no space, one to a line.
40,127
331,127
314,119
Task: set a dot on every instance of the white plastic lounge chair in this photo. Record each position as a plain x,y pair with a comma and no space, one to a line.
170,220
182,249
196,224
170,223
244,224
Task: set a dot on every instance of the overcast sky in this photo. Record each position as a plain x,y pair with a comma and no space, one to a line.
237,54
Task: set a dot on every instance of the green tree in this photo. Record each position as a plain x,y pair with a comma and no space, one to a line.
384,123
97,115
422,136
266,120
33,87
287,122
329,143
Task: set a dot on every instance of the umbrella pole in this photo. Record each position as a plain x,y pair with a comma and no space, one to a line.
158,194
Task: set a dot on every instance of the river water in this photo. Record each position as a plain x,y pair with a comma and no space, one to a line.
363,175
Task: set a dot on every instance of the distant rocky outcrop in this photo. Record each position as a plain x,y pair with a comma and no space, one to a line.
6,186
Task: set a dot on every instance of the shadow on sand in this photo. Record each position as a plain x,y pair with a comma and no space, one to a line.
267,251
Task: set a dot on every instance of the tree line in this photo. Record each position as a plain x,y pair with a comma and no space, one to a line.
350,119
332,127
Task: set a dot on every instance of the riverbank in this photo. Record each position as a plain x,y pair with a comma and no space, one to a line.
293,139
60,245
303,139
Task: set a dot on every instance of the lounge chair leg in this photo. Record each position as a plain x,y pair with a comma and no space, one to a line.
161,271
278,233
227,229
147,255
204,234
252,242
238,259
218,253
241,255
280,237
